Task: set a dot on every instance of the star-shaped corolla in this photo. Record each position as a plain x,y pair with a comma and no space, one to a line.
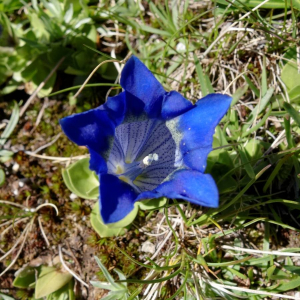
148,143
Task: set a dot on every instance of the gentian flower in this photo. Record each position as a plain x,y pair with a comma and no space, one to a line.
147,143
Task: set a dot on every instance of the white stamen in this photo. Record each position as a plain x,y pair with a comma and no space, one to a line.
147,161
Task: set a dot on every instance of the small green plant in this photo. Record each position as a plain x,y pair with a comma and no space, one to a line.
51,282
117,291
47,36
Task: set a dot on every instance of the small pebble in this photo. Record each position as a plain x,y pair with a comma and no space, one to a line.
21,184
148,247
16,167
73,196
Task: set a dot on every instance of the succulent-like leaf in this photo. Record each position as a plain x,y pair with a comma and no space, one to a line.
50,281
81,180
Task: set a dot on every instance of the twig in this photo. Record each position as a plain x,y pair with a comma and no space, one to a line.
20,250
48,144
47,204
68,269
56,158
40,115
43,232
93,72
261,251
12,225
258,292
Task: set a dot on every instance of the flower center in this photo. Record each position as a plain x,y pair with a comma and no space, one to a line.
143,153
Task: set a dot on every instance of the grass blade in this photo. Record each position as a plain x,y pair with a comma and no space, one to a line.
11,124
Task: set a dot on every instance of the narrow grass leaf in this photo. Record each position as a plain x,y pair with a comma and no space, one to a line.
154,30
87,85
5,297
107,275
292,112
238,94
283,225
243,191
252,86
103,285
209,84
284,286
293,269
276,171
229,263
186,277
246,163
99,52
201,77
237,273
2,177
264,85
13,121
154,280
288,132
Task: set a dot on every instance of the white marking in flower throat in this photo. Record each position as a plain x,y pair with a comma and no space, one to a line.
149,159
177,137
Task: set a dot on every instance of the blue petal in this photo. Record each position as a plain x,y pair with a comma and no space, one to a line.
97,163
189,185
137,79
174,104
93,129
134,106
148,195
197,127
116,108
116,198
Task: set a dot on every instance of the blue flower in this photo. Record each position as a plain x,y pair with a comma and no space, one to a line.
147,143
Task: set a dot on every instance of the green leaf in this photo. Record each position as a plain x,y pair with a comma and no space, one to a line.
100,227
25,277
112,229
284,286
11,125
294,94
64,293
99,52
292,112
154,30
201,77
273,4
238,94
152,203
270,272
293,269
116,286
80,180
103,285
254,149
5,297
290,75
69,14
245,161
50,281
276,171
2,177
